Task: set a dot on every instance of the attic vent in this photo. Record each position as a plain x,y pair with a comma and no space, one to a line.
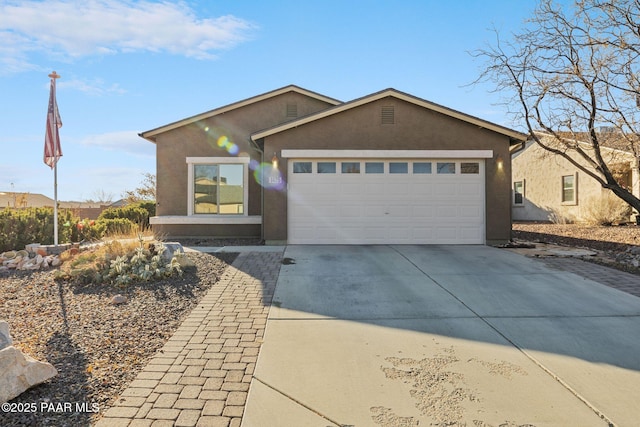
292,110
388,115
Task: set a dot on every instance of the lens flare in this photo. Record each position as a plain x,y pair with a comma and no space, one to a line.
268,177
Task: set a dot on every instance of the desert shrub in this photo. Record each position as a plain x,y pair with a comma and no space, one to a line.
138,213
20,227
88,231
605,209
120,263
116,226
557,217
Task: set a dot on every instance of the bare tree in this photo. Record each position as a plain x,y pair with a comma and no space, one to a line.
571,72
145,192
101,197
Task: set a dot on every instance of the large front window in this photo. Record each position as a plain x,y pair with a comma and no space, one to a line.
218,189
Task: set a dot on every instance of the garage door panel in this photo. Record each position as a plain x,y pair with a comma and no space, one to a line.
386,208
422,189
425,212
444,212
375,211
350,211
445,190
396,189
470,189
351,188
399,211
470,212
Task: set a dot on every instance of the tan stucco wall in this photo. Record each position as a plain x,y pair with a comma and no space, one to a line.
200,140
542,174
415,128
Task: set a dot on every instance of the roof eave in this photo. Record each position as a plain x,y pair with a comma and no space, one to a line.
514,136
148,135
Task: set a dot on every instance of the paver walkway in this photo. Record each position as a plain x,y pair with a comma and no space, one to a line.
201,376
609,276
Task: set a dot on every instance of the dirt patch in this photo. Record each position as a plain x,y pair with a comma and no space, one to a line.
440,391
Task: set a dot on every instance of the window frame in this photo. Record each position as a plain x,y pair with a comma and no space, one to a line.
574,200
217,161
513,200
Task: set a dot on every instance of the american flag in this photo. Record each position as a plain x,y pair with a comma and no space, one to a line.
52,150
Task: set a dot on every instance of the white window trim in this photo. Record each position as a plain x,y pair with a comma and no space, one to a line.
388,154
191,161
513,198
573,202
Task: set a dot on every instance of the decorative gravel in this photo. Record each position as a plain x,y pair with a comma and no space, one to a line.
602,238
98,348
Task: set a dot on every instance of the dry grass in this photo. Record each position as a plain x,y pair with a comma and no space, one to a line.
605,209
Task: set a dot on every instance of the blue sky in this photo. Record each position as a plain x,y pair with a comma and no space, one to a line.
130,66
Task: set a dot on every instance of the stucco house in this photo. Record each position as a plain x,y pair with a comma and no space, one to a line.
292,166
548,187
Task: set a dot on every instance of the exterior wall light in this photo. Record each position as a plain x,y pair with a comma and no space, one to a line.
274,161
499,162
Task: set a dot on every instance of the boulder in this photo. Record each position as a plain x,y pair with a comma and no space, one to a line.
171,249
5,337
18,371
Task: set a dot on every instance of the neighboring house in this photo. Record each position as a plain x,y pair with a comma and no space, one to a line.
548,187
84,210
24,200
292,166
31,200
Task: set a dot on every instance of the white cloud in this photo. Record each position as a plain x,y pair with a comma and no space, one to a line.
74,28
95,87
122,141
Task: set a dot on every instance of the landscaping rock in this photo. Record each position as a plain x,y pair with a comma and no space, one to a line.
25,260
171,249
118,299
18,371
5,337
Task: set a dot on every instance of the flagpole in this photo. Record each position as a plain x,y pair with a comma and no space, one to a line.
55,204
54,76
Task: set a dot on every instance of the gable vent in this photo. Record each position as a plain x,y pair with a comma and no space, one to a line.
292,110
388,115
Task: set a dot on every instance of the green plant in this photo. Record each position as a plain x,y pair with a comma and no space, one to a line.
19,227
116,226
138,213
122,264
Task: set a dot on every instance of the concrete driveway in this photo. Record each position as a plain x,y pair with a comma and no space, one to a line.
443,335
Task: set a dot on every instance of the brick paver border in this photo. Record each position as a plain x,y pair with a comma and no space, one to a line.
202,374
609,276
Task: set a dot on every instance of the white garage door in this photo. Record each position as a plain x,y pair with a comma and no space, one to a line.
370,201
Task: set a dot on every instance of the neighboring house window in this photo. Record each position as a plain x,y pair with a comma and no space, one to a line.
569,189
217,185
518,192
